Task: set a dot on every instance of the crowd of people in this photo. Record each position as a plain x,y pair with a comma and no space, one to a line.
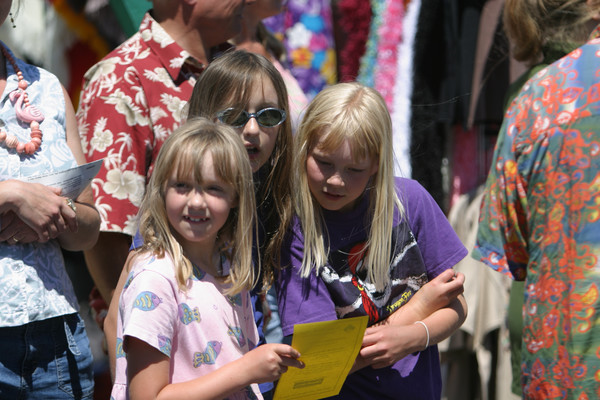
229,208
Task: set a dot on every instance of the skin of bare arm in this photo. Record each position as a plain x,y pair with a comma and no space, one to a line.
148,372
439,304
105,261
88,219
13,225
34,212
436,294
110,323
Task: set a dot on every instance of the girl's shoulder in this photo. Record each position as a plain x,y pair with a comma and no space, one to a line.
408,187
150,262
419,207
412,194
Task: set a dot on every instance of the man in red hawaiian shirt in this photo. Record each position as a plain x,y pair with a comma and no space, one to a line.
131,101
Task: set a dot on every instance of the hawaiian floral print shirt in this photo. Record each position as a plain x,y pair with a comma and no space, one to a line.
540,222
131,101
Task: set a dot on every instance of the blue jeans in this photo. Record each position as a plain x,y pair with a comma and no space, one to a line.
48,359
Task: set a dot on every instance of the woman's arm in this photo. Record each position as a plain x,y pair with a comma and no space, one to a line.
34,212
148,372
88,219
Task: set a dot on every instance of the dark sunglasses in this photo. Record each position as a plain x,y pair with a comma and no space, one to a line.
267,117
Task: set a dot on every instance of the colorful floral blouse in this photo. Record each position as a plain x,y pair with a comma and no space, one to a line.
540,222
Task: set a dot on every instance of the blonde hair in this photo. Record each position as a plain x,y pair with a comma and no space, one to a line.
227,82
349,111
530,24
182,155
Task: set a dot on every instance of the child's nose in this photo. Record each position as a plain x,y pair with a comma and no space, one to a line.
198,200
251,127
335,179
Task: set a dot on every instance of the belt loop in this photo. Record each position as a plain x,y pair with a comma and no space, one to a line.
70,339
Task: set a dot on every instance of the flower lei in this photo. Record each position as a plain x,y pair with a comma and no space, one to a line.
390,33
354,20
369,59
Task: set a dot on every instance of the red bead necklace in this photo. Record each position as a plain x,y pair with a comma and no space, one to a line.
25,112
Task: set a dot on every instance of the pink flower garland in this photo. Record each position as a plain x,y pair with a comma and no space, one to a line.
354,21
390,36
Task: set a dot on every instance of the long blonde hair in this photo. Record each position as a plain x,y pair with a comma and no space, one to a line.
349,111
530,24
227,82
182,155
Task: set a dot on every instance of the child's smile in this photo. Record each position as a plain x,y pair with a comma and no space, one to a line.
197,210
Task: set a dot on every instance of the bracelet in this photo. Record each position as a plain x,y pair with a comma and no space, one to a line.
426,330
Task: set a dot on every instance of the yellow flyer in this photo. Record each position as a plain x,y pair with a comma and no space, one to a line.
328,349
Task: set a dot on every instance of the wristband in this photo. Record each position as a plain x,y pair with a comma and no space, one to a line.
426,330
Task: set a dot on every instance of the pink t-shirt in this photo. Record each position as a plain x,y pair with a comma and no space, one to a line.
200,329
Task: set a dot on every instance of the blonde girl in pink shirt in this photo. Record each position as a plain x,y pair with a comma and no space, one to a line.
185,327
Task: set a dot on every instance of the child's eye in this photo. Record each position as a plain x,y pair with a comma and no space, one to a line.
181,186
356,170
324,163
215,188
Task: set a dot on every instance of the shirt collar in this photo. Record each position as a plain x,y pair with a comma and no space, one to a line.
173,57
595,33
177,61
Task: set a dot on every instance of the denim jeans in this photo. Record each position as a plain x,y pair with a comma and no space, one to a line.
48,359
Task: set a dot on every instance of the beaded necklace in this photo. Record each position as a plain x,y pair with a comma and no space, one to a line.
26,113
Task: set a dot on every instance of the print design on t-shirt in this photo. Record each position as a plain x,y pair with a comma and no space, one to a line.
352,292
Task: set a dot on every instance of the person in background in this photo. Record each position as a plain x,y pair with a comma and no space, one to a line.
131,101
532,29
364,243
539,217
44,349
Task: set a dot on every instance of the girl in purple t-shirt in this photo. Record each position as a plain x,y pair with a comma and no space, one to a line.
186,325
364,243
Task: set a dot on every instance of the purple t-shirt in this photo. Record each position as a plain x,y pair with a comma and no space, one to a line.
424,245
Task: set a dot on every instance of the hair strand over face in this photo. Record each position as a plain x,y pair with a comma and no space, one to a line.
181,156
353,112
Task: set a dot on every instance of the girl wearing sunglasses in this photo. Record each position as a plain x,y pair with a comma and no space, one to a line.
245,91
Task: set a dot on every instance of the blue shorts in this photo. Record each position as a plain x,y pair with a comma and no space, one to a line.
48,359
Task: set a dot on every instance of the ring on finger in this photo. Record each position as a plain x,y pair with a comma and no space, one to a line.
14,240
71,204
